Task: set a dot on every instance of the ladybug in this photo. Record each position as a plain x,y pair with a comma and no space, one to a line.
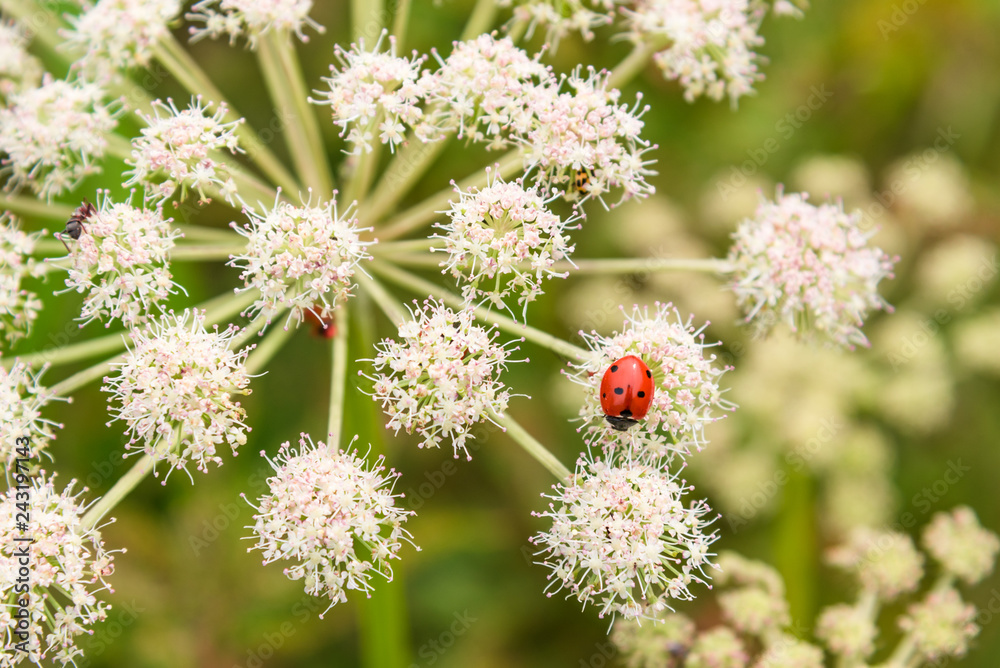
626,392
74,226
581,181
323,327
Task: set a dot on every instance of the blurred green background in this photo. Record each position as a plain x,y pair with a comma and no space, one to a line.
188,594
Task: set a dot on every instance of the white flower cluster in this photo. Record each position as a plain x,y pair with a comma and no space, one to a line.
300,257
502,240
623,539
174,390
585,129
119,34
808,267
120,261
333,516
711,43
18,307
175,151
561,17
492,92
19,70
442,377
687,393
486,89
54,135
375,93
251,19
22,399
68,565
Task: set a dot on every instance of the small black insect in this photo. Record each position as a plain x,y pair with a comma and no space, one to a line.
74,226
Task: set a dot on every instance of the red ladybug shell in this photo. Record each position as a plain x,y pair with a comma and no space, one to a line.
626,392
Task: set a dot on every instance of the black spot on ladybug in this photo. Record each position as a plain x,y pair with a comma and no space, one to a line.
619,390
641,394
648,374
625,413
614,368
604,395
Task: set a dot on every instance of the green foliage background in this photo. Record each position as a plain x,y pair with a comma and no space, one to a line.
201,600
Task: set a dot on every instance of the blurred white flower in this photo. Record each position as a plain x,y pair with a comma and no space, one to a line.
54,135
19,70
941,625
118,34
808,267
251,19
18,307
886,563
961,545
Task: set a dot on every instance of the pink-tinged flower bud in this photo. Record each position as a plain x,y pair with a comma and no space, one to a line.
961,545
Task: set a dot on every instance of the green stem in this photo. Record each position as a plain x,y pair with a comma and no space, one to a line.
42,22
268,348
77,380
118,491
407,246
29,206
207,252
404,170
366,19
532,446
641,265
389,306
480,20
516,33
285,83
412,282
216,235
426,211
338,381
629,68
399,23
186,70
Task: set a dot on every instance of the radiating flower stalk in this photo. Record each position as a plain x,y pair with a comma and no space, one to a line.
622,535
